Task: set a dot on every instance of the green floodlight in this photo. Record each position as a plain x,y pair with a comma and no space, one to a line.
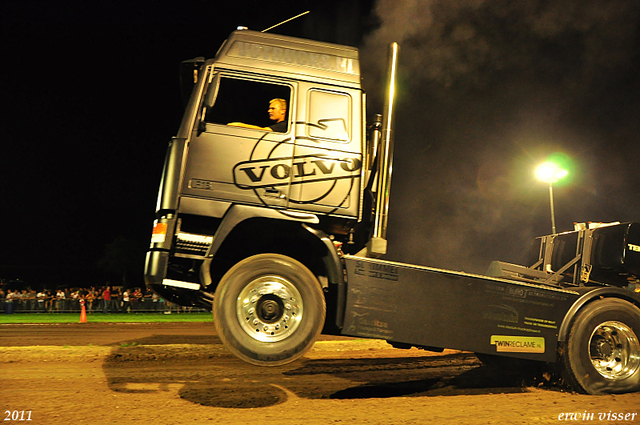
551,172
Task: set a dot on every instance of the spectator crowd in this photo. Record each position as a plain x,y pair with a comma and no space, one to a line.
65,300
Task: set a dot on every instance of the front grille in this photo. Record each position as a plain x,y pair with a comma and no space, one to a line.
189,244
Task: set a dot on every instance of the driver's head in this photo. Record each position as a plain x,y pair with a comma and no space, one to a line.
277,109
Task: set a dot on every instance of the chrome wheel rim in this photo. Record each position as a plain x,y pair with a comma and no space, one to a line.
614,350
269,308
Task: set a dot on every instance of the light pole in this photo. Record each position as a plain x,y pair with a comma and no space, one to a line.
551,173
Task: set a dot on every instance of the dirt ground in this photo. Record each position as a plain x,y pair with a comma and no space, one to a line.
173,373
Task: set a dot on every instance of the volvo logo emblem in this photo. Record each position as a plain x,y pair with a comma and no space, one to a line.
311,176
284,171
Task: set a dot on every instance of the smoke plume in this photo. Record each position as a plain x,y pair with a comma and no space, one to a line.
489,88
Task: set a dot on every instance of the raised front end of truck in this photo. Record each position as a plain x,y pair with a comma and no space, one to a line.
231,191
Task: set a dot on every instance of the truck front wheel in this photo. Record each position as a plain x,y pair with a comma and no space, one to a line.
602,354
269,309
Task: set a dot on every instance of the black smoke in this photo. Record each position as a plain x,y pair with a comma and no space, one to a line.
487,90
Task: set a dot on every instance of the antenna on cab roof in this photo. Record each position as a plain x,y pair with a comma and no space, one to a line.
284,22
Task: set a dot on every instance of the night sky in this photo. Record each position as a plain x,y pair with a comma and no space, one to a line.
488,89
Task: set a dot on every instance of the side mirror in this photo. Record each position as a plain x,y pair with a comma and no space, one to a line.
189,73
209,100
212,91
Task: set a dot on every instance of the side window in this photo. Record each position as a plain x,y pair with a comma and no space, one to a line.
245,101
329,115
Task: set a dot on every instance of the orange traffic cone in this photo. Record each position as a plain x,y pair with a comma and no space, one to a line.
83,313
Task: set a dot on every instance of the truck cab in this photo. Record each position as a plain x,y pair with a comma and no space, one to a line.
229,192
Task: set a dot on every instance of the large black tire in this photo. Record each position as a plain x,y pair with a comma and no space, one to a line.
602,351
269,309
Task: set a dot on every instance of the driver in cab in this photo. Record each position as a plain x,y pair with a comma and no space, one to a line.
277,112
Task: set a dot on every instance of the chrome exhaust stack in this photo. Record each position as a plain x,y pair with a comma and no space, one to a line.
377,246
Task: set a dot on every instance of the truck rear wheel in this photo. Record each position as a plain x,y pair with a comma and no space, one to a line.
602,354
269,309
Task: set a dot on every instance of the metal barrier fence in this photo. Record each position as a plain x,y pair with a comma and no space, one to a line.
144,305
